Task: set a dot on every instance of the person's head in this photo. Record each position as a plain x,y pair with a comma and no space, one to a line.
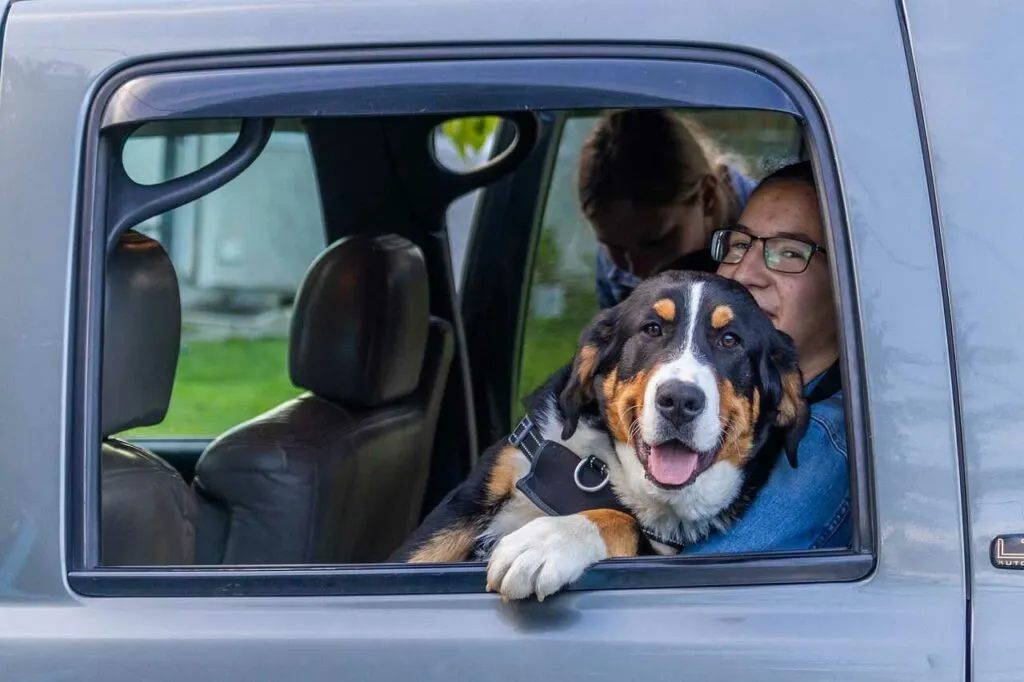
652,187
788,276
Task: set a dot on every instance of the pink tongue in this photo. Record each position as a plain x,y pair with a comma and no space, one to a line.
671,463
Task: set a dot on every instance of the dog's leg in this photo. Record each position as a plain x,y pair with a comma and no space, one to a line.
548,553
452,530
446,546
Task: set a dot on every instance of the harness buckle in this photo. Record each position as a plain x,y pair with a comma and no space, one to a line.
521,431
598,466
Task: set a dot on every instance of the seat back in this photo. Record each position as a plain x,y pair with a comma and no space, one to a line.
338,474
148,514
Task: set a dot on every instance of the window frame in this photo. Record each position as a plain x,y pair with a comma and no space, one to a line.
278,71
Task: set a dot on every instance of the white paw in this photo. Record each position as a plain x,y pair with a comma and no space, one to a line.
544,556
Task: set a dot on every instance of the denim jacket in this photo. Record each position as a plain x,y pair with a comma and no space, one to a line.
803,508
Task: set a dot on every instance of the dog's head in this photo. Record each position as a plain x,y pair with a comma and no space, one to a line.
688,372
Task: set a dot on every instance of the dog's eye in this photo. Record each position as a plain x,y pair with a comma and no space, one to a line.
730,340
652,329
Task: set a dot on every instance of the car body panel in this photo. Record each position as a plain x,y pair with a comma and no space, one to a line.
56,53
973,94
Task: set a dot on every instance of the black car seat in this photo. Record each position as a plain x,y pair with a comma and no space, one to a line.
338,474
148,514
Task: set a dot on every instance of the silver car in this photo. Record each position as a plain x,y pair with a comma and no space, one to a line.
203,474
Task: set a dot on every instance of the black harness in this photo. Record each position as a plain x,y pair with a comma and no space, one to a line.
561,483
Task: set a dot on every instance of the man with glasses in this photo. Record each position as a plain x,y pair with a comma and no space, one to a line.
775,250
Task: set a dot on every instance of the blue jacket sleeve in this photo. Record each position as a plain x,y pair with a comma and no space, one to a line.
803,508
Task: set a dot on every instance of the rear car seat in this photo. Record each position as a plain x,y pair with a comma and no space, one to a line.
336,475
149,514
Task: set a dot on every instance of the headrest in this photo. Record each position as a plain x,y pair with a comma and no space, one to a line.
359,326
141,334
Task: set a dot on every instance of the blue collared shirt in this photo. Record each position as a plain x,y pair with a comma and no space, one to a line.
803,508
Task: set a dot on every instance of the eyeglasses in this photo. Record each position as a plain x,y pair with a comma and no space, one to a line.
782,254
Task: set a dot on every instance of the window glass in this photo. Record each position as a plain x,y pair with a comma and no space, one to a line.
339,477
240,253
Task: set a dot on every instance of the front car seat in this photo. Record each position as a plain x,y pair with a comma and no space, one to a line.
149,514
338,474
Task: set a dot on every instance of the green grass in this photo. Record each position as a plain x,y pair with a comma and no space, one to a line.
222,383
550,343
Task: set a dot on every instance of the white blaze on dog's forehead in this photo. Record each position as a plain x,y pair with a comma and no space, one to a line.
689,367
696,292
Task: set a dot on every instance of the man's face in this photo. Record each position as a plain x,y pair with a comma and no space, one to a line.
799,304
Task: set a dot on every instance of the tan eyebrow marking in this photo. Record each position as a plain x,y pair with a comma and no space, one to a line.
666,309
588,358
721,316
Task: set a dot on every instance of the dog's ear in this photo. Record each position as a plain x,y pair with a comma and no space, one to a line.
783,384
597,345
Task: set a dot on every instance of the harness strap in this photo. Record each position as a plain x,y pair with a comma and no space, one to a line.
559,481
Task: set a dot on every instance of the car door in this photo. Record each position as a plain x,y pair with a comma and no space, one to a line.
856,614
971,102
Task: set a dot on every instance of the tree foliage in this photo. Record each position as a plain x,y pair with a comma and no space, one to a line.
470,132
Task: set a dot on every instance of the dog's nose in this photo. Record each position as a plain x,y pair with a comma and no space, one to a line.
679,401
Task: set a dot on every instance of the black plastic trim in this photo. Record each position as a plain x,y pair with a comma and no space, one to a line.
403,579
129,203
497,259
465,578
413,87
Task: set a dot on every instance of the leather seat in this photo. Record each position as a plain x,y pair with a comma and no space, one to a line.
338,474
148,513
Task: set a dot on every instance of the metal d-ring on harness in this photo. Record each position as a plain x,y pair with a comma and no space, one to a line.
596,464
